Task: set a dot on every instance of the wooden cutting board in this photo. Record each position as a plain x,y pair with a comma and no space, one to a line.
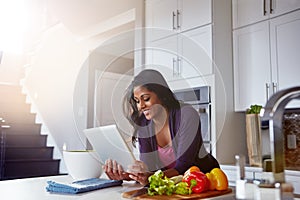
207,194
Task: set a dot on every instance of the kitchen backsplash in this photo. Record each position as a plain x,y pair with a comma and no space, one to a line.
291,129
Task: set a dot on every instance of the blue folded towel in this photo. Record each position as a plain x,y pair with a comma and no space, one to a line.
81,186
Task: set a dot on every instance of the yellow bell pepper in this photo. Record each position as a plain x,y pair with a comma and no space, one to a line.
218,179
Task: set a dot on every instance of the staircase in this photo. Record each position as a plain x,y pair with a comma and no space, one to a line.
24,151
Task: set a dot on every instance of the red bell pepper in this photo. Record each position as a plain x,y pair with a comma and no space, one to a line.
197,181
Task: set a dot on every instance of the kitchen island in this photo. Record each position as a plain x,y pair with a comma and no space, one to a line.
35,189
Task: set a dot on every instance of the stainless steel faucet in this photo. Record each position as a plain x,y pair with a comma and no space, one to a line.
274,111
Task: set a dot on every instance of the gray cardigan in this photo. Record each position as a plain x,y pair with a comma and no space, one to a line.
187,142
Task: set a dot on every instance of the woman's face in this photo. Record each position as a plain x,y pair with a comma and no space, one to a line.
147,102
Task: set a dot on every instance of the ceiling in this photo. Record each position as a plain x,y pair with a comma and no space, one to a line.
100,20
82,15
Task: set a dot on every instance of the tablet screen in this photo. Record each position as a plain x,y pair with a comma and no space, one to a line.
109,144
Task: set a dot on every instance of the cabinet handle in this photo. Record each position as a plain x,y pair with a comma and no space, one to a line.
267,91
178,66
173,20
274,87
271,7
178,21
264,8
202,110
174,71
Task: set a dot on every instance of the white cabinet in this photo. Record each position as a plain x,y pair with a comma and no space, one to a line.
164,57
194,13
252,72
196,50
169,17
198,53
160,18
266,59
182,56
247,12
285,48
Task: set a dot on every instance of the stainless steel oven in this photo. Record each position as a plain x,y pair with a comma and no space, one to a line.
199,98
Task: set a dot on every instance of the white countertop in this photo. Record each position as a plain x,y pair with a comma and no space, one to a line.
35,189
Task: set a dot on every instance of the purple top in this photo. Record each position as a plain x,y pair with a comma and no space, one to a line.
187,142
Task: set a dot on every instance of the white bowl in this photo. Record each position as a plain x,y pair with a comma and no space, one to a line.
82,164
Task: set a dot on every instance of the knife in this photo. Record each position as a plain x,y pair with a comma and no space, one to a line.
140,192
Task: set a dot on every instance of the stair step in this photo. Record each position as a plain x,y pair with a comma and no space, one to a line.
23,129
26,140
13,98
14,107
15,153
30,168
10,88
26,152
11,93
18,117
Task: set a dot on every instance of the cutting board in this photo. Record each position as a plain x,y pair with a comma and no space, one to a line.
207,194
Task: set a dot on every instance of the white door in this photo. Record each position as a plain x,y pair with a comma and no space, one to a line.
196,52
285,48
194,13
246,12
251,65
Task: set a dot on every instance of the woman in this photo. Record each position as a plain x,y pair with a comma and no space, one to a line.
168,133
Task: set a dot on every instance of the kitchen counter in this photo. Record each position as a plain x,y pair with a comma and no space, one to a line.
252,173
34,189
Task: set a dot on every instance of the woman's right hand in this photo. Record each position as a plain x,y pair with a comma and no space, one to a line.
115,171
139,172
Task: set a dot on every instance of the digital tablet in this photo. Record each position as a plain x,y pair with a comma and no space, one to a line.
109,144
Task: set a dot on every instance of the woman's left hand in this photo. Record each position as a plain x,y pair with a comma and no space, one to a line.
139,172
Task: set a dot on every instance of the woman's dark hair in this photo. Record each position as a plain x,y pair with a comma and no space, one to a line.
153,81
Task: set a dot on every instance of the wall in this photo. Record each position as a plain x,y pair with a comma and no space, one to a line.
51,82
10,66
58,82
231,136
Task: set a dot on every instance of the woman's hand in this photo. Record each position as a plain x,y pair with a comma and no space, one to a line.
115,171
139,172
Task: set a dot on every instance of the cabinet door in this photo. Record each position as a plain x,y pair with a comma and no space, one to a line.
280,7
285,48
165,58
194,13
196,52
246,12
251,65
161,17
